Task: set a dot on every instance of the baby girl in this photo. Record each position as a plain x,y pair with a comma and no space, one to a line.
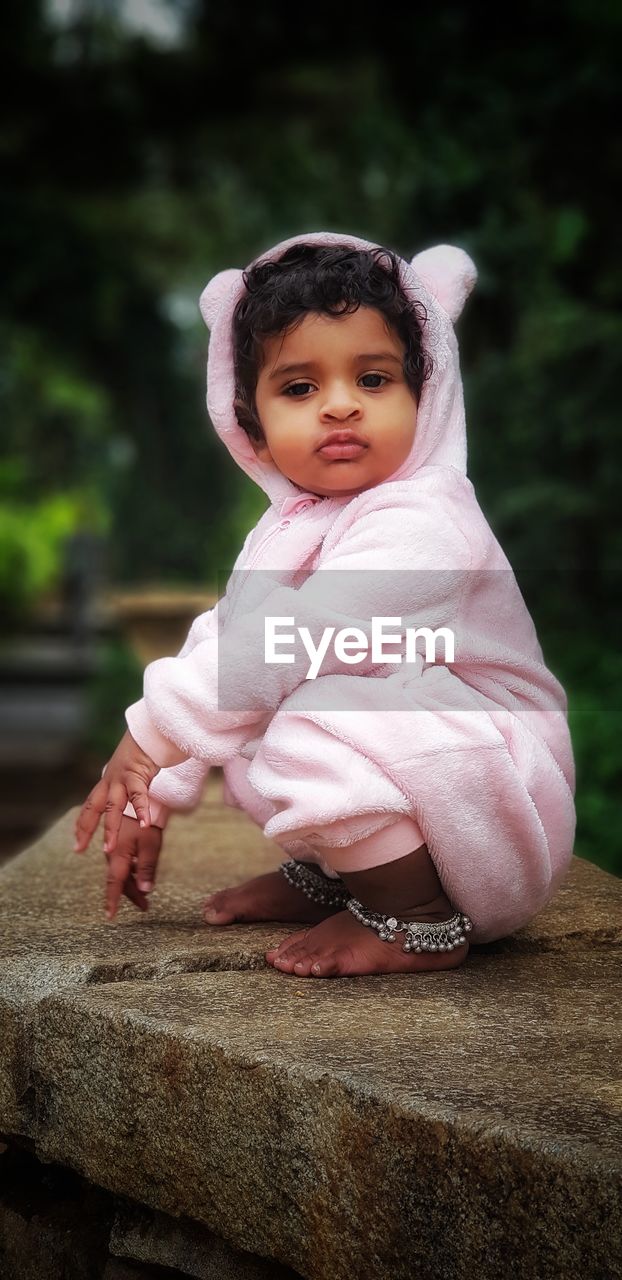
424,797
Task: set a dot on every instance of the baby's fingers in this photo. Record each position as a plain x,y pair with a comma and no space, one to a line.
89,816
120,877
138,793
135,895
115,804
118,873
149,843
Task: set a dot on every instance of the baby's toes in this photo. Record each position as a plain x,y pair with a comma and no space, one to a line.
289,952
331,962
221,908
318,964
285,961
304,964
325,966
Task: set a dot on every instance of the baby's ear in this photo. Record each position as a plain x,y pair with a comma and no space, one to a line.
449,274
215,292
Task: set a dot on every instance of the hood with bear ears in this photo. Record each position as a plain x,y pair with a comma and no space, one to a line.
441,278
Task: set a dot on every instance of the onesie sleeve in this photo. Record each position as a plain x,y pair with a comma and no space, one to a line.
197,706
181,786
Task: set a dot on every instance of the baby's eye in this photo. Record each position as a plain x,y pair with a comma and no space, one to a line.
375,375
295,388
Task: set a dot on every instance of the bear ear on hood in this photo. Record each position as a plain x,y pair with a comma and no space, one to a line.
449,274
215,292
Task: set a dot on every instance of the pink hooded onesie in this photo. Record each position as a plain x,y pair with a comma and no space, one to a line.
366,762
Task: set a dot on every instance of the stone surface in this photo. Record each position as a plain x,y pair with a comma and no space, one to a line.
380,1110
54,935
444,1124
188,1247
54,1225
118,1270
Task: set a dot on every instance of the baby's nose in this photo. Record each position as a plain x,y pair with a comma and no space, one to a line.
341,407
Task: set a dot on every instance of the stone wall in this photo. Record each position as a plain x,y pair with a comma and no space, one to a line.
445,1125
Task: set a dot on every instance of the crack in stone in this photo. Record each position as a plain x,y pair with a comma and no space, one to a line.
103,974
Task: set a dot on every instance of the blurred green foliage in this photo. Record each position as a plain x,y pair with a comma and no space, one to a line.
595,729
591,672
136,170
33,537
117,684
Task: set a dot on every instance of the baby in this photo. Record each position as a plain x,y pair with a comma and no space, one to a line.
427,797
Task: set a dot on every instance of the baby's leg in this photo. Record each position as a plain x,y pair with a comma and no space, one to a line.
406,888
267,897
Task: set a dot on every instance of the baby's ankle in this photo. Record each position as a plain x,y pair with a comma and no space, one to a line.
405,887
439,908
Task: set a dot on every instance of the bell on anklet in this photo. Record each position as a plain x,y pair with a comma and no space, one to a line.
315,886
443,935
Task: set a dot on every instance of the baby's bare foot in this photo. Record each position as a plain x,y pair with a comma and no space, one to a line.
267,897
342,947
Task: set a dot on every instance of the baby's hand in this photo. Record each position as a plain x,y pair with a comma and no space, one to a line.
132,866
128,775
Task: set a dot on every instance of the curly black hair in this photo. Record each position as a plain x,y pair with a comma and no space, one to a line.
333,280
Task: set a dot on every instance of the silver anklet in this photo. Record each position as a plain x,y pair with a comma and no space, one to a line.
314,885
442,935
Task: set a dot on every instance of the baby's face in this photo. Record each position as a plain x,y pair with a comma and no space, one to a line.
344,374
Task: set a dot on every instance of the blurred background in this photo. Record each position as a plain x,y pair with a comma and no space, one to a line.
147,145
